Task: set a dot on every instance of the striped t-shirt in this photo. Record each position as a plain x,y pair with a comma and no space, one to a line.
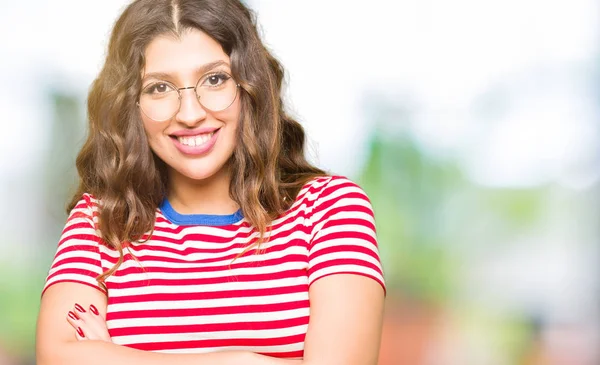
184,290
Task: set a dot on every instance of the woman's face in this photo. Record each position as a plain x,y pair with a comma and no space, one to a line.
196,142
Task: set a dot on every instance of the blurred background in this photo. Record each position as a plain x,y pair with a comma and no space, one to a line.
472,125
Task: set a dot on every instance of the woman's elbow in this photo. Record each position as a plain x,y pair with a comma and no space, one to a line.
53,353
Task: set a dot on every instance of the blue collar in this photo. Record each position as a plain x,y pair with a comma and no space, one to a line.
198,219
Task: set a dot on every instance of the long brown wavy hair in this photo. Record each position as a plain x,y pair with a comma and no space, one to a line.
116,164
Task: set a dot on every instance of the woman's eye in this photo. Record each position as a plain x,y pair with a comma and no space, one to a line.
215,80
158,88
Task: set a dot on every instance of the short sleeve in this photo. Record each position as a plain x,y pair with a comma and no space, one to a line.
343,239
77,257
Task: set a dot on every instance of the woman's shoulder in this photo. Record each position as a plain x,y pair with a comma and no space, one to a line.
328,187
85,209
88,202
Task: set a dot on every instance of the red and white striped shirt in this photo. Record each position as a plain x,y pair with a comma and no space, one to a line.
186,293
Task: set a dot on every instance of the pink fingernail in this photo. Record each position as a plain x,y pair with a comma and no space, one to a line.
79,308
80,332
73,316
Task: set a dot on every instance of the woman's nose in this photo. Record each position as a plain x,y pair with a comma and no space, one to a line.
191,111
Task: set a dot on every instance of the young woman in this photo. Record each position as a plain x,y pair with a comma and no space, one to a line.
200,234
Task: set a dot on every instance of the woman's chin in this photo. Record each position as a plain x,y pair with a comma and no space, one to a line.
198,173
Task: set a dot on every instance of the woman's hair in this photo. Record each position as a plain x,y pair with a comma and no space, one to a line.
116,164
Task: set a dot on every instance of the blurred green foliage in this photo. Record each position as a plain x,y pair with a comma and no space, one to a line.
21,283
19,308
407,191
60,174
428,212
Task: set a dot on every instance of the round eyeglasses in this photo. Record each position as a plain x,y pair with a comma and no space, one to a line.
161,100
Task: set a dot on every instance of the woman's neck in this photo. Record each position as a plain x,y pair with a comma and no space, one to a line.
207,196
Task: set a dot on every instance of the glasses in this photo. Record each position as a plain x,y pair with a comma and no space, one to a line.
161,100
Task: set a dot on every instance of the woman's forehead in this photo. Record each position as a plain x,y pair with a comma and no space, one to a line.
189,53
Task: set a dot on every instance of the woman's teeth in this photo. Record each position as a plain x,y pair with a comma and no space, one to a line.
194,141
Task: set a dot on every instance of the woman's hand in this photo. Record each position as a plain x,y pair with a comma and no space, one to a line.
88,324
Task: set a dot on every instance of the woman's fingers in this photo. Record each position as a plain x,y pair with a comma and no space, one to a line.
76,323
88,324
80,334
94,310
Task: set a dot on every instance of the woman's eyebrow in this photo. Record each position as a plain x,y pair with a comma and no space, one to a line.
200,70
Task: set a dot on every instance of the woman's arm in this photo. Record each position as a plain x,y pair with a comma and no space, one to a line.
346,314
345,328
345,277
56,343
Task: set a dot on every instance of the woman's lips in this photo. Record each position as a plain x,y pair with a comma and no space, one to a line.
197,144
